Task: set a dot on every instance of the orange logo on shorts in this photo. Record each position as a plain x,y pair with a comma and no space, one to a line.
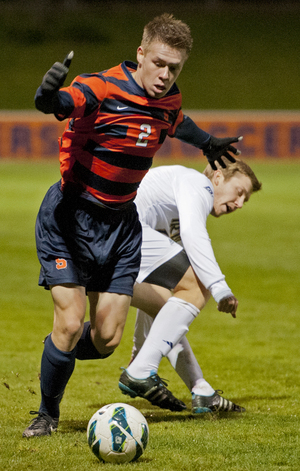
61,263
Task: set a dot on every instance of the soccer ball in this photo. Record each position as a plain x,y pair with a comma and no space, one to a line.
118,433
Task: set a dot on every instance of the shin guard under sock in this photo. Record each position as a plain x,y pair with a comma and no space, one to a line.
170,325
56,369
86,350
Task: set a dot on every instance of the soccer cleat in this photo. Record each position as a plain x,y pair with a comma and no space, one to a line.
153,389
41,425
214,403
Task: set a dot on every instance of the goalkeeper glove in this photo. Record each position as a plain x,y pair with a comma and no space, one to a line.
218,147
56,76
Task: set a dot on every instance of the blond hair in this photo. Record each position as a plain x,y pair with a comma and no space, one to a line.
167,30
237,167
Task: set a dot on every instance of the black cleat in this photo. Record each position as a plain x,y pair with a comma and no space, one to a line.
42,425
214,403
153,389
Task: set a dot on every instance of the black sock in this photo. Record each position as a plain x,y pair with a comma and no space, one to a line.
86,350
56,369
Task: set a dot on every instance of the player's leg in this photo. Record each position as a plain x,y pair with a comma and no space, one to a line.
58,359
163,263
181,357
125,273
190,291
58,247
169,326
108,313
111,288
143,323
204,397
150,296
69,311
141,378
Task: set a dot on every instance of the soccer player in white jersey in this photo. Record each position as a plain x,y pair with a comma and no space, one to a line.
173,204
176,201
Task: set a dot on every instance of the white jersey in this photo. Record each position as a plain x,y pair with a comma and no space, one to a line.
177,200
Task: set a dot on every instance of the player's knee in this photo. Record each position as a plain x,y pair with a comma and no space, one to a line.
107,340
112,341
72,328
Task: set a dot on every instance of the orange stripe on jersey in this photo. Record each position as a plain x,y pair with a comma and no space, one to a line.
110,199
114,173
79,100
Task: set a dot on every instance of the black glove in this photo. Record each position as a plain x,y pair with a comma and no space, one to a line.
56,76
218,147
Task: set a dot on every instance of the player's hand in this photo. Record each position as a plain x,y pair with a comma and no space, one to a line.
229,305
221,147
56,76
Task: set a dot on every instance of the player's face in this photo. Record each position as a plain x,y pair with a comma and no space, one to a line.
231,194
158,68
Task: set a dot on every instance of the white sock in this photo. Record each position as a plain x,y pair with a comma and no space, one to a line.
143,323
181,357
184,362
170,325
203,388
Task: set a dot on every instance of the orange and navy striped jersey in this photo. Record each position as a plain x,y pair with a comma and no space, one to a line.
113,131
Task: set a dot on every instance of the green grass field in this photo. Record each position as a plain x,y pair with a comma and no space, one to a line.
254,358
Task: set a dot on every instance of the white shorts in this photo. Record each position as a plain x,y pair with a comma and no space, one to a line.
157,250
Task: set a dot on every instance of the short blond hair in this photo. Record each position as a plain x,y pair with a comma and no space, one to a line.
168,30
231,169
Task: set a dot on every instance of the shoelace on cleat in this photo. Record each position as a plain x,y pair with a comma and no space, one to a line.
42,415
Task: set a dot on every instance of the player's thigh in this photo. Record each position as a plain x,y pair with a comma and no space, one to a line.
149,298
108,313
191,289
69,312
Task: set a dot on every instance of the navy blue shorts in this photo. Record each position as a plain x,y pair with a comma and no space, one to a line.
82,243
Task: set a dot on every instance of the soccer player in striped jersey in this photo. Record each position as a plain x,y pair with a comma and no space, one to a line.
88,233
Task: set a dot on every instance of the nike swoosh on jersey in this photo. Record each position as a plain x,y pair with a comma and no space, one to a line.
121,108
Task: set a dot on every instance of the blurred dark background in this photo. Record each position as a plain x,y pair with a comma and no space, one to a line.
246,54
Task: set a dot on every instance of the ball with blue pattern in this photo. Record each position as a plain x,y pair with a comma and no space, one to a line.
118,433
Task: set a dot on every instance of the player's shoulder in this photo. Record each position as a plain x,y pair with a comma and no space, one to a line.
178,170
118,71
91,80
189,173
193,180
183,176
102,75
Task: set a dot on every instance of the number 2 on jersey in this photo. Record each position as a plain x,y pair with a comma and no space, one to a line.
146,131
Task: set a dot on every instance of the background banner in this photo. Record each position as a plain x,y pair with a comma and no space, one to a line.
267,134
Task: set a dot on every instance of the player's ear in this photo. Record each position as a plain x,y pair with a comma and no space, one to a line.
140,54
217,177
